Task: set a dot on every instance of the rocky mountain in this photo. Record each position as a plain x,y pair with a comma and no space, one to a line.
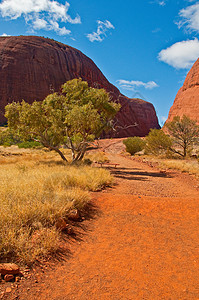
187,99
31,67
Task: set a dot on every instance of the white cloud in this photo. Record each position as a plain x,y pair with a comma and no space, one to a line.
190,17
160,2
5,34
131,85
181,55
39,24
101,31
55,27
40,14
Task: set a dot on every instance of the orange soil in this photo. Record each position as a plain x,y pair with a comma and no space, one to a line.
143,242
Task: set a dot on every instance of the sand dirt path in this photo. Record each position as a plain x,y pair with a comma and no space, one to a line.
143,242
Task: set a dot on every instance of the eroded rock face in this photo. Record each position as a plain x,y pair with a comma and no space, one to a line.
187,99
32,67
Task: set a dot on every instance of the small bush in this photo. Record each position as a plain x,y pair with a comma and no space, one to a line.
29,144
158,143
98,156
134,144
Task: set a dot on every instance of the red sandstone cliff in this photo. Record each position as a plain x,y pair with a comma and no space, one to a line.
187,99
32,67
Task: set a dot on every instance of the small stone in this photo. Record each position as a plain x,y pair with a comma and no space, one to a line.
163,171
17,279
8,277
74,215
61,224
8,290
27,270
9,268
70,230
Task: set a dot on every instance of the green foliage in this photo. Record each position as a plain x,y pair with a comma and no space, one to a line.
185,134
157,142
8,137
72,118
134,144
29,144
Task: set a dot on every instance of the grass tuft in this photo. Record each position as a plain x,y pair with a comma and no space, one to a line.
189,166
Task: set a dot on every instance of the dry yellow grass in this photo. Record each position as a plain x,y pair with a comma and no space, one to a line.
97,156
190,166
36,190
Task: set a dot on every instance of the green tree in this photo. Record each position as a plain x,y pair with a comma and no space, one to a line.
157,142
72,118
185,133
134,144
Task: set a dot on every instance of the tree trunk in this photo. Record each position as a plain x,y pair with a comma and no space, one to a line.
81,155
61,154
185,150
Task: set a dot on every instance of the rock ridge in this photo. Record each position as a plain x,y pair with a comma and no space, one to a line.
187,98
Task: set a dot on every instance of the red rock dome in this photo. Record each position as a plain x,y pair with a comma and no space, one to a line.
187,99
31,67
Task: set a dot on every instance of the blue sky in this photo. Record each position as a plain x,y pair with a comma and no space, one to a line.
143,47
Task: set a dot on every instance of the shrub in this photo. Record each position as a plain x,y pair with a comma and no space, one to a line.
29,144
157,142
134,144
97,156
185,134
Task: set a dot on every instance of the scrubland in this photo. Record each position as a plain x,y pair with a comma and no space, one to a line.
37,189
190,166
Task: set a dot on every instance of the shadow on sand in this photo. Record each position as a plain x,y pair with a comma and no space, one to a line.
80,229
136,174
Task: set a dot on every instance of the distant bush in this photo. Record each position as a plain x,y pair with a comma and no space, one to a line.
29,144
134,144
157,142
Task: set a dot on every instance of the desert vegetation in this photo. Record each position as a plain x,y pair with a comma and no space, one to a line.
179,141
134,144
185,135
72,118
37,191
177,147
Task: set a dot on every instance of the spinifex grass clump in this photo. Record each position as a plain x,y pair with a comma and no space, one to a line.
33,196
189,166
97,156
